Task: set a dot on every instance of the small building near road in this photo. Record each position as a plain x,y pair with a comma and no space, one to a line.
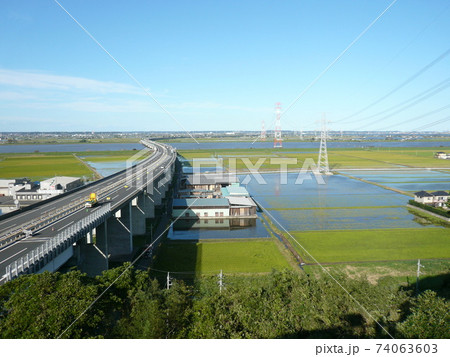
47,188
9,187
64,183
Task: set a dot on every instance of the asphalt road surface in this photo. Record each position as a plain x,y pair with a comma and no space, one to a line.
119,189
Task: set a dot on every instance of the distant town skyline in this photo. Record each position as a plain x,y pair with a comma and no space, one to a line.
224,65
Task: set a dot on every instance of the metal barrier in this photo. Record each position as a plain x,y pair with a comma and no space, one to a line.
42,255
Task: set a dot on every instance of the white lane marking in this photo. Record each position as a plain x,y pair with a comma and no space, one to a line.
12,256
68,224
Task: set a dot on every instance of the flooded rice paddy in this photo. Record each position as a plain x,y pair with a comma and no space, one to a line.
341,203
407,180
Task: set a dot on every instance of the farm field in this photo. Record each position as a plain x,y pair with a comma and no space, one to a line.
109,156
403,272
407,180
338,158
40,166
232,256
373,245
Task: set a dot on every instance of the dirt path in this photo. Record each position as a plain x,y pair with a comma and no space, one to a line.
94,171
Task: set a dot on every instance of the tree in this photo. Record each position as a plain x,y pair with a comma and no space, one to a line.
44,305
428,319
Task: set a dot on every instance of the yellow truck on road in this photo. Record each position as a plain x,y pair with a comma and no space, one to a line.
91,201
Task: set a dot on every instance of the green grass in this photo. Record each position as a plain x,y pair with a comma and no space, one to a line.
232,256
374,245
41,166
109,156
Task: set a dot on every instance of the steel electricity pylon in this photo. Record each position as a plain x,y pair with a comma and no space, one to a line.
263,131
278,142
322,163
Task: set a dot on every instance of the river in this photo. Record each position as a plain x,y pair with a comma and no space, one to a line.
4,149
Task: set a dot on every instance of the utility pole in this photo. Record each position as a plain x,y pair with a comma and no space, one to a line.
220,281
418,275
169,281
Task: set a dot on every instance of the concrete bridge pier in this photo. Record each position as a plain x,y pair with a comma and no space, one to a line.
149,205
156,195
138,214
93,257
163,190
120,234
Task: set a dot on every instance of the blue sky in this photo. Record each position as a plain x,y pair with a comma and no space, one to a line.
222,65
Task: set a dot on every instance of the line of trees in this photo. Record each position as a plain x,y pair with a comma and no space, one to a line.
279,305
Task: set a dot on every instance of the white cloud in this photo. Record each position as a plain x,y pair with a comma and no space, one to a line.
12,96
36,80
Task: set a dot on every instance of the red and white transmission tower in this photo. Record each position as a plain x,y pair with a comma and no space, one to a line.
263,131
278,142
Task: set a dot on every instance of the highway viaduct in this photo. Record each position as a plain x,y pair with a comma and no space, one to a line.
46,235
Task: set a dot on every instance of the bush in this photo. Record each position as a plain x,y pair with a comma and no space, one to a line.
436,210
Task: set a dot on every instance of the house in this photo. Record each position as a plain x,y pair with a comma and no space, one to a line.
213,182
200,207
437,198
423,197
241,206
442,155
235,189
194,193
440,198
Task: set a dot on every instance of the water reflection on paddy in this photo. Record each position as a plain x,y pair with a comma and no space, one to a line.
190,229
357,205
407,180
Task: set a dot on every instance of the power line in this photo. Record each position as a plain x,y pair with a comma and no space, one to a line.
403,84
418,117
332,64
440,13
405,107
426,126
126,72
430,91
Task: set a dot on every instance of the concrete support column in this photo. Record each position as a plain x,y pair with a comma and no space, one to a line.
163,189
156,194
120,234
94,257
138,214
149,205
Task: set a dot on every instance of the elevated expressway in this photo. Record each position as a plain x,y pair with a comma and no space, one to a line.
47,235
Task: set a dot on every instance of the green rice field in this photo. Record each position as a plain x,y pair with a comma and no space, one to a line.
41,166
231,256
338,158
373,245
